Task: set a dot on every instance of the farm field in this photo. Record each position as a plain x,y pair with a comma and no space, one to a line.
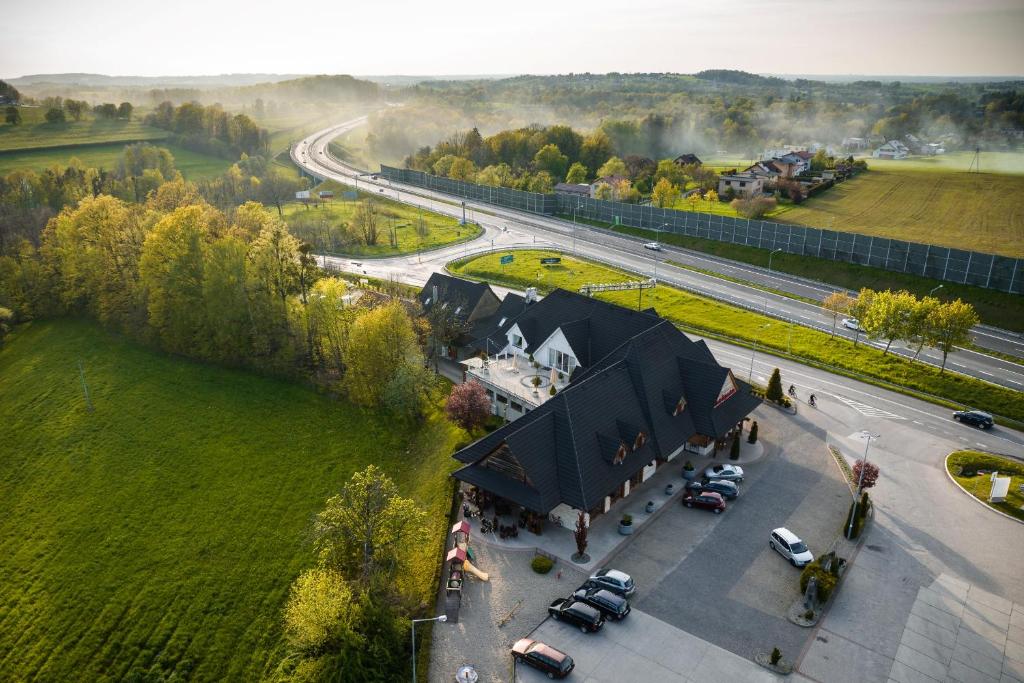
320,225
193,165
157,536
35,133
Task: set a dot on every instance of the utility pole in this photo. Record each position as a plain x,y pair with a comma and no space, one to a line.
868,438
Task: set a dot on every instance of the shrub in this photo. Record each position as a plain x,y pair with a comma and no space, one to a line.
776,656
734,452
552,390
468,405
774,392
627,520
752,438
826,582
689,465
542,564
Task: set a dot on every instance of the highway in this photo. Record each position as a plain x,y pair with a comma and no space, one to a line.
506,228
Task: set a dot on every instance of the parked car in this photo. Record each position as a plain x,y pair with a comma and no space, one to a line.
728,489
727,472
789,545
975,418
653,246
555,663
617,582
578,613
609,604
709,500
852,324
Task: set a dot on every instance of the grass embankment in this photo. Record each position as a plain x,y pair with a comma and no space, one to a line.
161,532
964,466
193,165
709,316
1000,309
313,223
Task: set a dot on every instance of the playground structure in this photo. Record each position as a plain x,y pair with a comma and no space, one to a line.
459,560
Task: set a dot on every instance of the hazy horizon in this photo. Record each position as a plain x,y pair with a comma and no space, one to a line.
879,38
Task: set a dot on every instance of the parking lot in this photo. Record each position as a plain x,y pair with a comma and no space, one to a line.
728,587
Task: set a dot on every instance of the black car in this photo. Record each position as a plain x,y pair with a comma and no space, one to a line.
609,604
578,613
728,489
975,418
555,663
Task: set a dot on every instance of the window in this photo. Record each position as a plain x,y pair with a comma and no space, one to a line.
426,302
502,322
490,394
516,406
620,455
563,362
640,440
458,310
517,341
502,399
680,407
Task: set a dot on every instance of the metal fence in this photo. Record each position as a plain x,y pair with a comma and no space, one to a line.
990,271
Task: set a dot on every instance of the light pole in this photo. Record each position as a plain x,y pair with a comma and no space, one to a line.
769,273
868,438
935,289
750,375
654,252
441,618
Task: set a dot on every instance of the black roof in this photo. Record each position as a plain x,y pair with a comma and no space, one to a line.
687,159
455,291
568,449
511,307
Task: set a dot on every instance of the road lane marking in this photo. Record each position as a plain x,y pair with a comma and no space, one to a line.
869,411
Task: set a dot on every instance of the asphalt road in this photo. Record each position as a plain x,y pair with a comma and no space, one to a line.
505,228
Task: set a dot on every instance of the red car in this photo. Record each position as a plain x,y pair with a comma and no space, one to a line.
554,663
709,500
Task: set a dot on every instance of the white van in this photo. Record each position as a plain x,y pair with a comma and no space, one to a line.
789,545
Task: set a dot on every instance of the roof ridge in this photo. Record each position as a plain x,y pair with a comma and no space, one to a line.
572,440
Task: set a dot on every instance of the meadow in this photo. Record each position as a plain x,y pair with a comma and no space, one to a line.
158,534
34,132
193,165
707,316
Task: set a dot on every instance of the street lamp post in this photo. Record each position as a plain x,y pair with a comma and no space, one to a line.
441,618
935,289
769,273
750,375
868,438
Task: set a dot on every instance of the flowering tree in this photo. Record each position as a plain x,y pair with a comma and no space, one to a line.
580,534
468,405
870,473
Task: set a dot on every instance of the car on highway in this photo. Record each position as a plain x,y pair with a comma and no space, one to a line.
578,613
653,246
708,500
612,606
554,663
728,489
727,472
852,324
975,418
786,543
617,582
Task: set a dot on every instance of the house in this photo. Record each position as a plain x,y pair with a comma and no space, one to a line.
762,169
795,163
574,189
855,144
641,395
893,149
465,306
613,181
741,184
687,160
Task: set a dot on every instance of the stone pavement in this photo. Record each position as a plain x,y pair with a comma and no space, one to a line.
643,648
959,632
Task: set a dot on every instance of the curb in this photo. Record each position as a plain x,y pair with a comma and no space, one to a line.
949,475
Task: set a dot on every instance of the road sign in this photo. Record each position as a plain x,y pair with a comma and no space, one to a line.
548,260
507,258
302,194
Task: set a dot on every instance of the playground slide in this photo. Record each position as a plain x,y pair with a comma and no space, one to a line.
467,566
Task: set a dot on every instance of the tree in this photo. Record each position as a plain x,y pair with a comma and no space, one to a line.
580,534
462,169
671,171
55,115
329,323
577,174
604,192
124,111
665,193
6,322
774,391
821,160
274,256
365,531
380,341
950,326
870,474
542,182
919,325
859,307
108,110
888,316
711,197
837,304
277,188
320,613
12,115
734,451
752,436
549,158
614,166
364,221
468,405
595,150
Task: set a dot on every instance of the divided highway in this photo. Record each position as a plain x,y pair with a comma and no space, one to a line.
505,228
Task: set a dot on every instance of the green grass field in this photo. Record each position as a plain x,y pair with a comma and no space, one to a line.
35,133
193,165
160,533
705,315
310,224
964,465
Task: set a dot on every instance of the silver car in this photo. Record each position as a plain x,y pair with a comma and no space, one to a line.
732,473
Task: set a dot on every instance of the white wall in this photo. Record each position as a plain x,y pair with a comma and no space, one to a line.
558,342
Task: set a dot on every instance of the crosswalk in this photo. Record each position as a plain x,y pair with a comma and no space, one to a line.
870,411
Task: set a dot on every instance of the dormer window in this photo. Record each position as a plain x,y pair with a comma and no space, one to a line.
458,310
426,302
517,341
639,441
502,322
680,407
620,455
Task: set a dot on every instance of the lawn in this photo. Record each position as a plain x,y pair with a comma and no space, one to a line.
321,225
704,315
193,165
965,466
160,532
35,133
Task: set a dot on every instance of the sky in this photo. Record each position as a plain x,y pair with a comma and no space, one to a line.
191,37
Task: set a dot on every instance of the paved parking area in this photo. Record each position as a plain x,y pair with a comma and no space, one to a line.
642,648
715,577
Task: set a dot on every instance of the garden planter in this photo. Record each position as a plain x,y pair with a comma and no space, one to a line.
650,507
670,489
689,475
625,529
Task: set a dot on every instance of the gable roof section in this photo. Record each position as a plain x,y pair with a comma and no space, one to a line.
510,308
461,294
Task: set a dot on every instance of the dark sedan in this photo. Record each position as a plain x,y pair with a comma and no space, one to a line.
975,418
708,500
577,613
609,604
555,663
728,489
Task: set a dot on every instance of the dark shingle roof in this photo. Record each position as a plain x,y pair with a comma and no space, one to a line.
459,293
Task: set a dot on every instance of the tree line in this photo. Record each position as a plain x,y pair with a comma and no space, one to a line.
210,129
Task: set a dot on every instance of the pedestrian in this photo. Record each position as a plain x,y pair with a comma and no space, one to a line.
558,574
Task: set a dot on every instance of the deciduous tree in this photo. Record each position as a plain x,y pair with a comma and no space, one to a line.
54,115
950,324
837,304
665,193
577,174
12,115
549,158
321,612
889,316
614,166
870,473
380,342
468,405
